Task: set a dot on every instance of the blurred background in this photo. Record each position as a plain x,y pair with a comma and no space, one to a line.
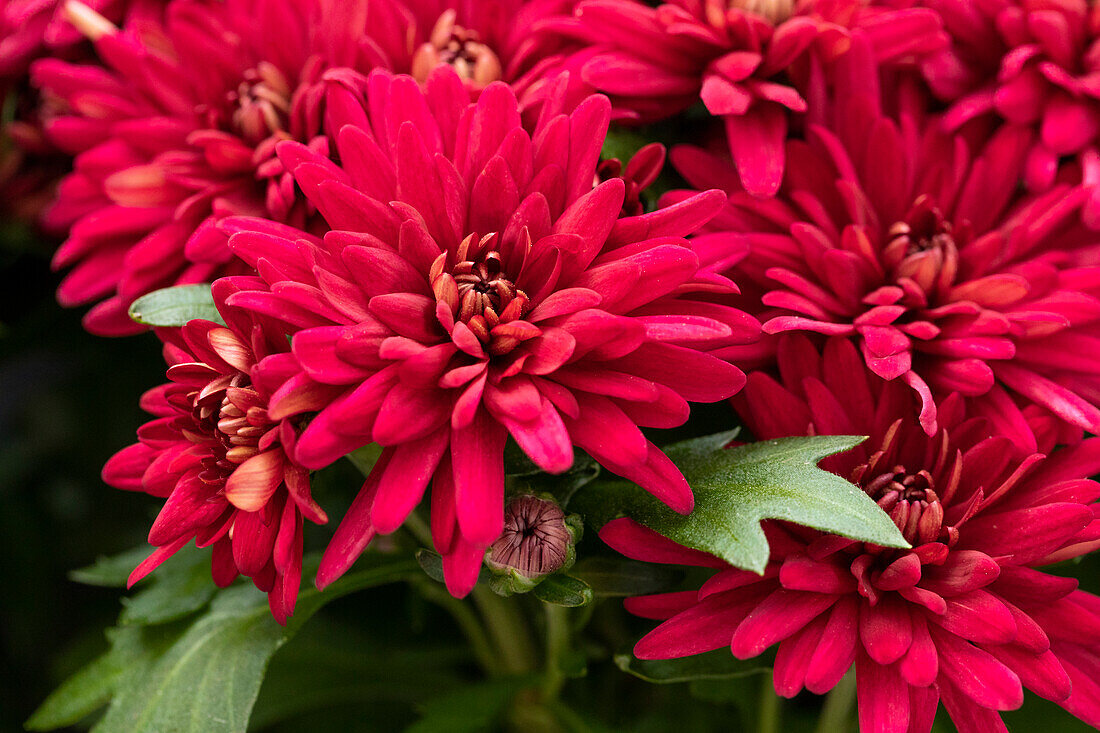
67,402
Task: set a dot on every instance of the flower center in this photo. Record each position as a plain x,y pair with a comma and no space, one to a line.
261,103
774,11
910,500
461,48
482,288
233,433
923,247
480,292
535,540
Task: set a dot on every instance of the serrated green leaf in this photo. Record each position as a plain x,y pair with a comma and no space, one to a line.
208,678
715,665
181,586
111,572
80,695
175,306
473,708
736,488
132,652
563,590
617,576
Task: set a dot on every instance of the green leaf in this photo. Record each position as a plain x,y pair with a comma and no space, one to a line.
623,143
522,476
617,576
195,676
111,572
181,586
736,488
133,650
431,563
364,458
726,692
716,665
473,708
331,665
563,590
82,694
175,306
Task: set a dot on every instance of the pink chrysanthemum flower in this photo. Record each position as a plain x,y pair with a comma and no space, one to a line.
165,146
224,465
31,29
749,69
916,245
477,285
1028,63
963,617
30,167
486,41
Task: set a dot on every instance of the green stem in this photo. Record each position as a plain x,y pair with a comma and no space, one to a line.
419,529
557,645
769,709
468,621
463,615
507,629
836,713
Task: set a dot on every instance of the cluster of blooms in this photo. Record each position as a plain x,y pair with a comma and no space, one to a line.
414,242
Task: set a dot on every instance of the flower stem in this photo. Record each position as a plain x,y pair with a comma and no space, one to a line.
769,711
836,713
507,629
468,621
557,645
419,529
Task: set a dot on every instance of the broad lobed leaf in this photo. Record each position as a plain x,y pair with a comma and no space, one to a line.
736,488
199,674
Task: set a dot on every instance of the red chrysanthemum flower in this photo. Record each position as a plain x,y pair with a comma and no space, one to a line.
963,617
224,465
1028,63
477,285
748,69
166,145
915,244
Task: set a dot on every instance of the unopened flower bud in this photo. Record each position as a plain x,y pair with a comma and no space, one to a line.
538,539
